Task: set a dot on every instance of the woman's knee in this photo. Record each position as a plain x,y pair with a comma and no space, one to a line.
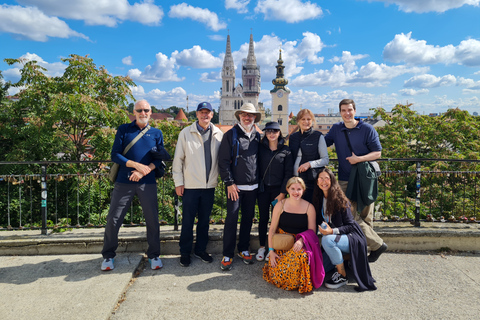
328,241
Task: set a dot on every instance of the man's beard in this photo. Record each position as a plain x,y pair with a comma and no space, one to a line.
247,127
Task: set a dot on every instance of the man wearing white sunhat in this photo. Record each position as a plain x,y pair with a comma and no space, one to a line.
237,162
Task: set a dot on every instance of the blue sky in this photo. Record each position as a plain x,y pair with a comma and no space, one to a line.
377,52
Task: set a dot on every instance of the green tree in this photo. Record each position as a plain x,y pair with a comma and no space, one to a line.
69,116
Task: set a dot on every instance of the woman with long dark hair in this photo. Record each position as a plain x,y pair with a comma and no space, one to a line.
340,234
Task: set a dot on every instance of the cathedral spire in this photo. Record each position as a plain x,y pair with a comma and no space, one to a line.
251,60
228,60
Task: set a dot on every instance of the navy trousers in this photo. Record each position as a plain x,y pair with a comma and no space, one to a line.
122,196
196,201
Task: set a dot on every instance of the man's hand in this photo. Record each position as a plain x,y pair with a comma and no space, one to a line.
233,192
135,176
179,190
353,159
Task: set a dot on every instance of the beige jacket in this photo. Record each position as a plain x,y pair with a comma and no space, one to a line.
189,160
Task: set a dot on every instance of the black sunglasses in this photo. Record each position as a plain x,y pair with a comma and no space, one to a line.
144,110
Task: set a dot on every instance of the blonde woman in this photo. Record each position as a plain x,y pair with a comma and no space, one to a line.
290,269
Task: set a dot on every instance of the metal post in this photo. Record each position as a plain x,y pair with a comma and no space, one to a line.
44,199
417,200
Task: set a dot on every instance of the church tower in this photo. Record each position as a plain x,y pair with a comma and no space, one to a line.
280,95
227,101
251,76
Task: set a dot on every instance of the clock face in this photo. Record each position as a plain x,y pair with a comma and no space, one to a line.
280,93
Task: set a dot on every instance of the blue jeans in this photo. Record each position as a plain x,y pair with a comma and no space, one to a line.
196,201
334,250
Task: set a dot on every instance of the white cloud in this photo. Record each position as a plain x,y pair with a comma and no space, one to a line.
31,23
469,83
430,81
290,11
405,49
127,61
348,74
213,76
216,37
205,16
196,57
239,5
294,54
164,69
55,69
413,92
422,6
105,12
175,97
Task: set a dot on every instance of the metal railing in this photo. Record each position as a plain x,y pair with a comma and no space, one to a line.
409,189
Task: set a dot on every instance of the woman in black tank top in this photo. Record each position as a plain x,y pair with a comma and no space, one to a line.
289,269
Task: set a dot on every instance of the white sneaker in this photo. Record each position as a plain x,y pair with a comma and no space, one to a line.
260,254
155,263
107,264
267,257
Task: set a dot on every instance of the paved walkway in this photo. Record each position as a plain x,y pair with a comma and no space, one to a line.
419,285
410,286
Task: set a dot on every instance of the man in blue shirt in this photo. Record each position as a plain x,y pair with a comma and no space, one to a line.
136,176
366,147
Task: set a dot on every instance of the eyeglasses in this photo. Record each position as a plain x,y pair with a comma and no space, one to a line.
144,110
271,131
250,115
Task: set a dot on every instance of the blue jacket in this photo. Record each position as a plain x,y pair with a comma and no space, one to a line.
364,139
139,152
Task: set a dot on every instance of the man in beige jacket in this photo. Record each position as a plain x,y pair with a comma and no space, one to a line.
195,172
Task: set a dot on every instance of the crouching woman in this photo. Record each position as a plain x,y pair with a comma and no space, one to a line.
340,234
301,267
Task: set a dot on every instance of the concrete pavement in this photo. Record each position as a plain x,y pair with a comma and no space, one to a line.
410,286
41,279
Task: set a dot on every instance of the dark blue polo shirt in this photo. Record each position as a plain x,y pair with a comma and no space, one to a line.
363,138
139,152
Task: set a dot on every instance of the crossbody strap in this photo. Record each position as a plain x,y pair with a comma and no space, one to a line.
348,141
263,179
139,135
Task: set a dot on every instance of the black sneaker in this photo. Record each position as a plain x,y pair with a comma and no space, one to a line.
204,256
374,255
185,260
336,281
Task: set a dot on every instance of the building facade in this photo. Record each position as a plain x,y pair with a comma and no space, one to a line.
280,94
233,97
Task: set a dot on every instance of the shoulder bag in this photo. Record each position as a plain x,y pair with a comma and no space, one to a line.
112,174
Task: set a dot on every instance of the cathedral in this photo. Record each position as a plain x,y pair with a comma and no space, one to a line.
233,97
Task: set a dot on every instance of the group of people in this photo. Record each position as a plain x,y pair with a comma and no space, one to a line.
305,196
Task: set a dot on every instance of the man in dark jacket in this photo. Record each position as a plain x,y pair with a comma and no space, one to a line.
237,161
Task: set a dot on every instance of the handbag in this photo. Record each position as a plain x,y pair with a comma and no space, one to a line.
282,241
112,174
